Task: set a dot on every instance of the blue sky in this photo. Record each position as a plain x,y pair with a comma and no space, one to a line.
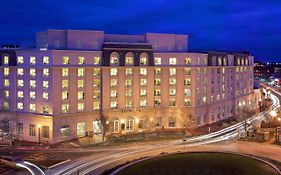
211,24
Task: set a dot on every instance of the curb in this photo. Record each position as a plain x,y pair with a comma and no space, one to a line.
60,163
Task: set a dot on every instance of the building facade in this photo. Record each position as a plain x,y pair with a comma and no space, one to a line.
77,82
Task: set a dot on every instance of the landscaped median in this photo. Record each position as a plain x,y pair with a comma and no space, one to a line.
203,163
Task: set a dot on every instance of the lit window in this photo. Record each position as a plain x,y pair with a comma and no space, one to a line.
219,61
20,83
172,71
80,72
96,83
45,84
32,72
172,81
64,83
46,60
157,71
128,71
46,72
129,58
32,107
128,82
6,59
128,93
187,81
32,83
20,106
113,72
6,71
32,60
20,94
143,92
96,60
143,103
80,95
6,82
45,95
64,72
45,110
113,93
157,81
20,72
157,92
96,71
32,95
172,61
143,71
80,83
81,60
113,104
65,60
114,58
172,102
172,92
187,102
157,102
198,60
20,60
143,58
65,108
157,61
205,61
187,61
96,105
187,71
128,103
143,81
6,94
113,82
64,95
187,92
96,94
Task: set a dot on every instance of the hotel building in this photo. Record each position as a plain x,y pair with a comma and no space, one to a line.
76,82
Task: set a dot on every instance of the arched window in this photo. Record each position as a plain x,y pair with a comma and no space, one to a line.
143,58
129,58
114,58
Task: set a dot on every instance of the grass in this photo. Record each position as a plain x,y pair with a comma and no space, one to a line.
199,163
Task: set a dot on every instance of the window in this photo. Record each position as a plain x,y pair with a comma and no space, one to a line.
45,95
64,72
157,61
65,108
96,94
6,82
20,83
128,103
187,71
172,71
143,81
80,72
172,81
157,92
129,58
96,105
113,72
113,82
143,92
65,131
114,58
80,83
6,59
187,61
142,103
45,84
64,95
20,72
46,72
19,128
187,102
80,95
143,58
32,95
20,95
172,121
115,125
172,102
143,71
6,71
45,132
172,61
157,71
65,60
128,82
81,60
6,94
46,60
32,107
20,60
172,92
32,130
80,106
157,102
187,81
157,81
96,60
113,93
45,109
113,104
128,71
20,106
128,93
187,92
219,61
32,72
32,84
65,83
96,72
96,83
32,60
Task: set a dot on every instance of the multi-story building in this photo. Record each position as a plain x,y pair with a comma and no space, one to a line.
75,82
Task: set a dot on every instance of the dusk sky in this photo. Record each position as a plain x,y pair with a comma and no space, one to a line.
211,24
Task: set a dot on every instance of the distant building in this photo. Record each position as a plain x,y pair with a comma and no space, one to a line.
63,89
